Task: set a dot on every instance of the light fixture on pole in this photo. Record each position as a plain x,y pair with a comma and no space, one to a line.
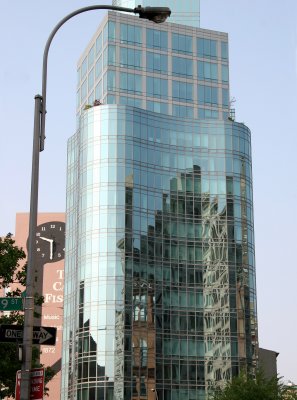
155,14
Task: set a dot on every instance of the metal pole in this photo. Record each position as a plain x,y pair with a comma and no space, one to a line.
29,299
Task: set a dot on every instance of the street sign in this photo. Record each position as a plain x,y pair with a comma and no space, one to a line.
41,334
36,382
11,303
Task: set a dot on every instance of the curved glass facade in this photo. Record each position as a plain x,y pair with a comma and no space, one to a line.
160,297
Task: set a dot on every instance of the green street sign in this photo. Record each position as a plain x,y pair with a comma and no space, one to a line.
11,303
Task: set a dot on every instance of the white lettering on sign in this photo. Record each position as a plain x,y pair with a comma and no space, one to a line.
52,298
58,286
11,333
51,317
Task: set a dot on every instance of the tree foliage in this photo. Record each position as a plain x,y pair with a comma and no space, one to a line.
245,387
10,255
11,272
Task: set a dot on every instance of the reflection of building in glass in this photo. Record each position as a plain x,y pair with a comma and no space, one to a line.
160,220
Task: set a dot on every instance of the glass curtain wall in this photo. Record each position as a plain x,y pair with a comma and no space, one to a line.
160,296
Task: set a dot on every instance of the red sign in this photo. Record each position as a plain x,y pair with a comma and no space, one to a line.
37,384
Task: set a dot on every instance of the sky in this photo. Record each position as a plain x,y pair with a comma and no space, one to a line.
263,79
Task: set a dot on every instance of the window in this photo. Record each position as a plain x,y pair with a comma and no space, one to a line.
207,71
143,352
84,68
225,73
98,91
156,39
110,99
158,107
130,58
140,308
109,56
131,82
130,34
182,91
156,62
225,97
99,44
182,66
91,79
207,95
109,32
207,113
182,111
78,76
83,92
98,67
109,81
224,50
78,98
130,101
156,87
207,48
182,43
91,56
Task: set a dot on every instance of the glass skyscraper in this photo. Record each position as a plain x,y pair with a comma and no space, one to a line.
160,296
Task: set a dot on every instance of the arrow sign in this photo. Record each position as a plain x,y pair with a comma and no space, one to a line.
41,334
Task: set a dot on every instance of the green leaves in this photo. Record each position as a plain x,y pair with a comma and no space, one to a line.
245,387
12,273
9,260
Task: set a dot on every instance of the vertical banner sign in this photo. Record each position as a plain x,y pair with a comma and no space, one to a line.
37,384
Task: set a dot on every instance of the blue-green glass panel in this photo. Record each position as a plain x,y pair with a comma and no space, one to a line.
130,34
109,81
131,82
130,58
182,66
157,87
225,97
182,43
182,91
158,107
156,62
83,90
182,111
84,68
98,91
156,39
224,50
99,44
91,79
225,73
91,56
98,67
207,71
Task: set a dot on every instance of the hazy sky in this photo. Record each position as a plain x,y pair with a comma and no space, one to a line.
263,77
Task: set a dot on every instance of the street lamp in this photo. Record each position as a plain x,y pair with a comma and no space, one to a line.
156,393
155,14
